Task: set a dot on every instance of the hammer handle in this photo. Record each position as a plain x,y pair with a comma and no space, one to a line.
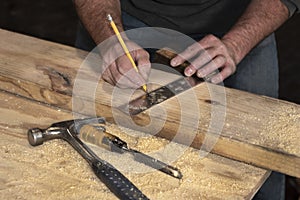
110,176
116,181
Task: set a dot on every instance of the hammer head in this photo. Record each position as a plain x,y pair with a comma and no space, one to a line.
35,136
59,130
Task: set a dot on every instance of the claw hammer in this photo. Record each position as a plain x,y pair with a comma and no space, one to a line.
110,176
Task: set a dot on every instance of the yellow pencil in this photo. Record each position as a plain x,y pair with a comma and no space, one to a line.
114,27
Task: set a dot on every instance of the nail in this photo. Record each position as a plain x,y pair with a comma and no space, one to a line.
174,62
189,71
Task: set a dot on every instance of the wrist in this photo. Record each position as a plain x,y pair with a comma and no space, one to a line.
233,48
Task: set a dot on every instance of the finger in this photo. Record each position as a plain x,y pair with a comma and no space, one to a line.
226,72
117,78
190,70
203,59
124,82
216,63
187,54
126,69
106,76
144,65
142,58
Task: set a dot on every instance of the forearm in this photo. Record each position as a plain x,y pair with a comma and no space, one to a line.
93,15
261,18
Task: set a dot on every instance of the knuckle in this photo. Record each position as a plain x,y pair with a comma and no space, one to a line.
211,37
193,66
106,75
190,49
181,57
122,70
233,69
194,47
114,75
222,48
200,73
146,54
220,60
106,78
232,66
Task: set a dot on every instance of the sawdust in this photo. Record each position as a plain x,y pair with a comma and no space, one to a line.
276,126
282,130
55,171
51,171
199,175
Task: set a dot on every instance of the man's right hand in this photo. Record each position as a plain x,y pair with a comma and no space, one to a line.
118,70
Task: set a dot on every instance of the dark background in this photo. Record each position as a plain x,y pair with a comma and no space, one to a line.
57,21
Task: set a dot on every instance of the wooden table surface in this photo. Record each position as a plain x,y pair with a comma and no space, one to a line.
55,171
37,79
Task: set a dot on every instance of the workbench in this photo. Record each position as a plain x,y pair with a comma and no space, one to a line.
37,79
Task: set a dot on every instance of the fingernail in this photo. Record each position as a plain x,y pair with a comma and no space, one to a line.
174,62
189,71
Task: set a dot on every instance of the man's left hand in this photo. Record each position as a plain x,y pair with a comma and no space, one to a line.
206,56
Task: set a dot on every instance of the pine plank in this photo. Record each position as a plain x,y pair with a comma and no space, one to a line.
258,130
54,170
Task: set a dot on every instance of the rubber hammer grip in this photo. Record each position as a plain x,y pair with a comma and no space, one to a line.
117,182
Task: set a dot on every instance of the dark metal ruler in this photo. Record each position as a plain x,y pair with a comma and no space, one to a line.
159,95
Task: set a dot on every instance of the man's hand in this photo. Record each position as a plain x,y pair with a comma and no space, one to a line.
119,71
207,56
260,19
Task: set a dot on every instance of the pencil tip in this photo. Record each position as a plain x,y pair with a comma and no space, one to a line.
145,88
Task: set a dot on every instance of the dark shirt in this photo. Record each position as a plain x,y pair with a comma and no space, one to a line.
187,16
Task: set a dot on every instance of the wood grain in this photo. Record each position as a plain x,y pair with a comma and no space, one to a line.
258,130
254,129
55,170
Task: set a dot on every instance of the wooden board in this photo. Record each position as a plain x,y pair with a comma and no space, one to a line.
54,170
46,71
258,130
